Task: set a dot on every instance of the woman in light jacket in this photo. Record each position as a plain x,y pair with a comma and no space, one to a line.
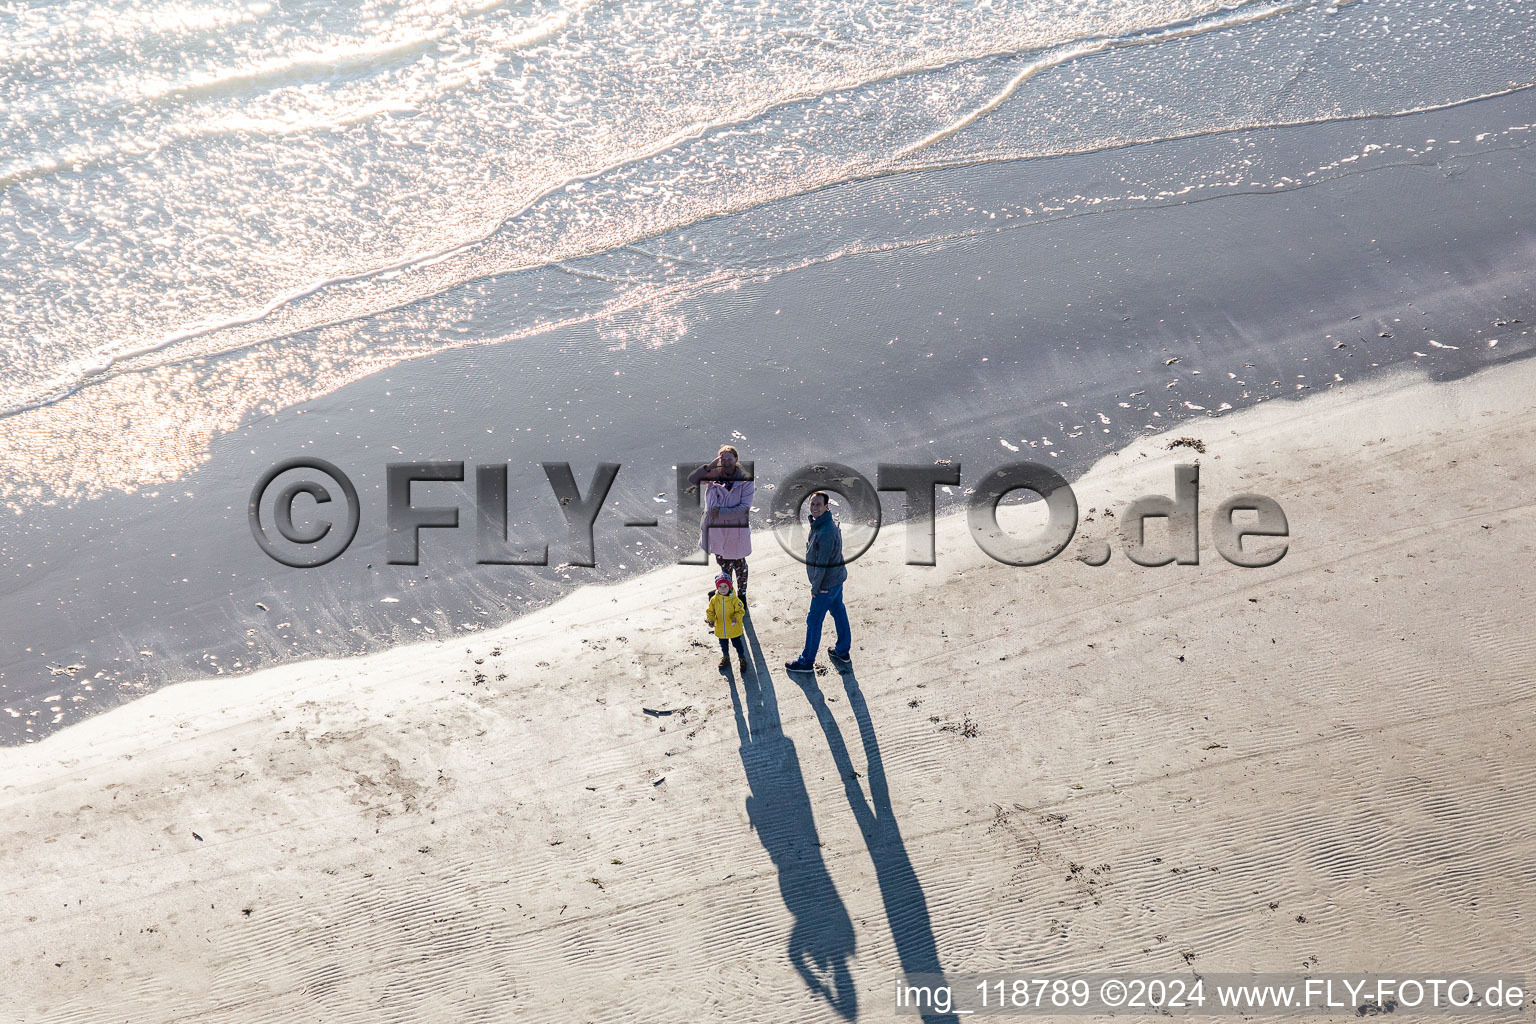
726,531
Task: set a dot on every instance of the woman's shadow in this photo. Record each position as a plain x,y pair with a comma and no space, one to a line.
822,940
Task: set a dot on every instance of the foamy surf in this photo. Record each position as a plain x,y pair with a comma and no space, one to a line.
821,97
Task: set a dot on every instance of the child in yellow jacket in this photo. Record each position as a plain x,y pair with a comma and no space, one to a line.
725,613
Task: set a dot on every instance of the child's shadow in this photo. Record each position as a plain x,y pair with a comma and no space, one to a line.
821,940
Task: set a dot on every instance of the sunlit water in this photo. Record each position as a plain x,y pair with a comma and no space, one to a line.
215,209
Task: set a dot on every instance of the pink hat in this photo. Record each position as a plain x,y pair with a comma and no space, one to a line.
722,578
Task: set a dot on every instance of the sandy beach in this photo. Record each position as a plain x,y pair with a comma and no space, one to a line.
1320,766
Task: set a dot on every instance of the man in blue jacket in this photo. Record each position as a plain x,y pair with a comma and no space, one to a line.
824,566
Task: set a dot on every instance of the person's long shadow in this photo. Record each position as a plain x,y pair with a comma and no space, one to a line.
821,940
906,908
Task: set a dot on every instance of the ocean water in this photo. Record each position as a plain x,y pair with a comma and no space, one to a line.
213,211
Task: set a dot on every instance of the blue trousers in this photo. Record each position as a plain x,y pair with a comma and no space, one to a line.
831,601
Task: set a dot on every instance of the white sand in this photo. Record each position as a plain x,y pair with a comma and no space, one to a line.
1326,765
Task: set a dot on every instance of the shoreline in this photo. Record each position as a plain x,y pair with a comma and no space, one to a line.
1062,767
965,341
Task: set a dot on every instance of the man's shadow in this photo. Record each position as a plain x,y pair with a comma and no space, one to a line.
821,940
906,908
